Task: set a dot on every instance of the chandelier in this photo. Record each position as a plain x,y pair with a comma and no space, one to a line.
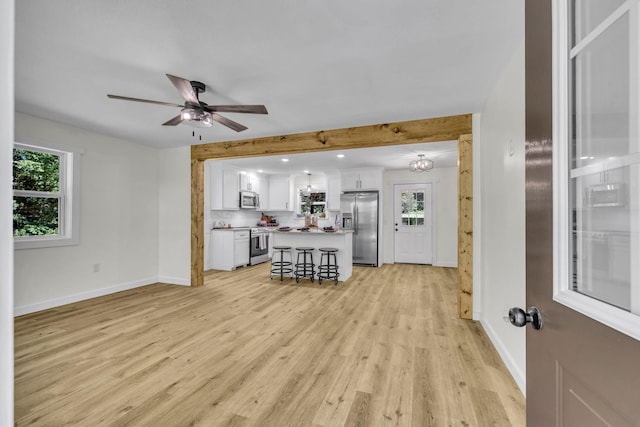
421,165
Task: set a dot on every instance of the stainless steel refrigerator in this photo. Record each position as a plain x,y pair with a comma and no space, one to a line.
359,211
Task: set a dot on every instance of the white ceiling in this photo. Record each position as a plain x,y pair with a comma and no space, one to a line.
444,155
316,65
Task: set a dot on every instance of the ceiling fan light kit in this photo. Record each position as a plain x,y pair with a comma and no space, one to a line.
196,113
196,118
421,165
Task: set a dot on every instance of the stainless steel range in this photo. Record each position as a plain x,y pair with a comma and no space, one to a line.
259,245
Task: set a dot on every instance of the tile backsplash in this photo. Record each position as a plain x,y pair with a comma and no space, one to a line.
245,217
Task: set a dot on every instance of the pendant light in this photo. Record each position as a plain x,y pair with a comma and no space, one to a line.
421,165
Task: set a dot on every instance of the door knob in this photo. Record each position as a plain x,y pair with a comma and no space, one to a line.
518,317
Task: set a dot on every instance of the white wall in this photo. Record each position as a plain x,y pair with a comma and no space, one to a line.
6,224
174,250
445,186
118,221
502,214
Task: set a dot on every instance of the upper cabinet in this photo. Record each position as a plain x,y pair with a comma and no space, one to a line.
280,193
224,187
362,179
249,182
262,188
334,189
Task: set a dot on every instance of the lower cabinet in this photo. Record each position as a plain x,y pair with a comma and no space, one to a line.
229,249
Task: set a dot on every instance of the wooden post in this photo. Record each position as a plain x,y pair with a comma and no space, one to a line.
465,226
197,222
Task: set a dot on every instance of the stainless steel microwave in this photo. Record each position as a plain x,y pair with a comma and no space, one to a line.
604,195
249,200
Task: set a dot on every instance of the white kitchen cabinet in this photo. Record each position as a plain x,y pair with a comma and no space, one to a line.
263,191
224,187
229,249
361,179
248,182
270,246
334,189
280,193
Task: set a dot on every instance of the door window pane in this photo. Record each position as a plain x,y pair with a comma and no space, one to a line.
412,208
601,97
603,163
589,13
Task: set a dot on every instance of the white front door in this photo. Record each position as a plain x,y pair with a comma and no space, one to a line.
413,223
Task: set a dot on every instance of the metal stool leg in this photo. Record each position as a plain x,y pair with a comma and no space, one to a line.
304,266
281,267
328,268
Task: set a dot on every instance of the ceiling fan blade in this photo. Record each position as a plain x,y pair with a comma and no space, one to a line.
228,123
252,109
174,121
148,101
185,89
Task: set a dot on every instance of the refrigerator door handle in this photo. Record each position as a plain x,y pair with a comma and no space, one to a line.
355,225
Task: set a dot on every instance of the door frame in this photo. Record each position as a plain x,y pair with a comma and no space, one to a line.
409,132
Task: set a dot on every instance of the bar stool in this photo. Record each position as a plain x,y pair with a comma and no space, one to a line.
305,267
281,267
328,268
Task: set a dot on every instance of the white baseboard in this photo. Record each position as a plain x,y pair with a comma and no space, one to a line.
174,280
515,372
435,264
453,264
57,302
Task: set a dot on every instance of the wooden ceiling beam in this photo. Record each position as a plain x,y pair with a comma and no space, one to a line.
411,132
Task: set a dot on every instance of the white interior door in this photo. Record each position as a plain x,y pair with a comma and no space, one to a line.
413,224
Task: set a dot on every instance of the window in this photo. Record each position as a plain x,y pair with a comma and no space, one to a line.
597,160
313,203
412,207
44,212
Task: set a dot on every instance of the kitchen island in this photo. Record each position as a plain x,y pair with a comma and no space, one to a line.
340,239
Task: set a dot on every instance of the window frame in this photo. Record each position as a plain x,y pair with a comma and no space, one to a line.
68,195
623,321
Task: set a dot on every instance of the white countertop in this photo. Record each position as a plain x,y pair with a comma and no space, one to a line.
312,231
231,228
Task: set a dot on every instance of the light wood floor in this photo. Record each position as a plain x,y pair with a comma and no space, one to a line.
384,348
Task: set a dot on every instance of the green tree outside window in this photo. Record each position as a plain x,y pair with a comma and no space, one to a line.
412,207
36,193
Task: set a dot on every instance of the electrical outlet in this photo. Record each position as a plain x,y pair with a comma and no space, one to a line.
96,268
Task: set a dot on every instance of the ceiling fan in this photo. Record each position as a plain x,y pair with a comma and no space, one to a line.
195,112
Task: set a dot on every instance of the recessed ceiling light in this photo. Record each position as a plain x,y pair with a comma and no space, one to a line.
340,156
306,171
260,171
285,160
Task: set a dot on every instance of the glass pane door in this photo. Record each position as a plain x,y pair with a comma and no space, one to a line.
602,213
412,207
